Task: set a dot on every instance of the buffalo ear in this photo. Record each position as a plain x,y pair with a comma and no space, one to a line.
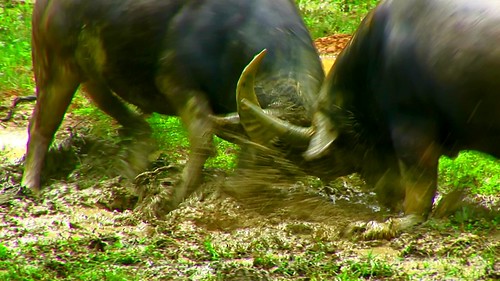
324,135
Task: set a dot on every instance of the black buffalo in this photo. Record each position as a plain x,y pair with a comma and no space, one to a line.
177,57
419,79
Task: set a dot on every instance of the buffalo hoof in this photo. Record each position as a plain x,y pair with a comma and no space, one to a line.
381,230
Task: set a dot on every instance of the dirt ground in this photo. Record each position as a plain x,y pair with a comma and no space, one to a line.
259,226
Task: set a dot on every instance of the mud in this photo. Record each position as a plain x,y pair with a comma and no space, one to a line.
236,210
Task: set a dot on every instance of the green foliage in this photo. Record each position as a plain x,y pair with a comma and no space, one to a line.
478,172
5,252
333,16
226,157
15,49
211,251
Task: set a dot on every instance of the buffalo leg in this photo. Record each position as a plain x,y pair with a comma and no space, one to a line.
55,89
418,160
194,110
195,117
134,126
388,189
420,183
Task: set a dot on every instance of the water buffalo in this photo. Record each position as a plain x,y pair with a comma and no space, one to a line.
173,57
419,79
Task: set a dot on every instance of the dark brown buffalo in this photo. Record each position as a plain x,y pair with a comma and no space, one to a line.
419,79
176,57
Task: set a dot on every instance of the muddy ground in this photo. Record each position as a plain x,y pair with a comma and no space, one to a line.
262,224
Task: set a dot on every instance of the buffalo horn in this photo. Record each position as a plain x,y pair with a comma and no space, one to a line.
323,137
259,126
269,127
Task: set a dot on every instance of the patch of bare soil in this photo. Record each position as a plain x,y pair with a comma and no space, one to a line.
332,45
258,223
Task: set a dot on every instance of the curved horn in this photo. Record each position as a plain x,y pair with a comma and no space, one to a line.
245,91
260,126
266,127
245,87
324,136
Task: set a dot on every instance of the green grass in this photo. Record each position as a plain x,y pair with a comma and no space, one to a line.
70,259
336,16
475,171
15,50
369,266
318,265
109,258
